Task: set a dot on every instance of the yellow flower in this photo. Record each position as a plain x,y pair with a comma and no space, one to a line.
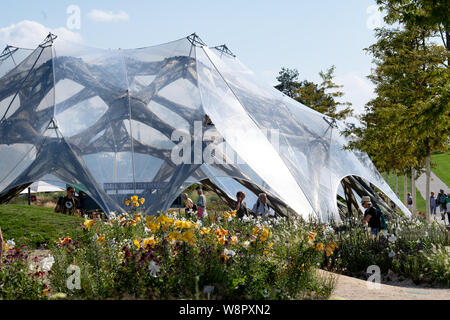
180,224
188,237
127,202
88,223
319,247
136,204
142,200
221,232
312,236
101,239
150,241
333,245
165,222
137,243
256,230
63,241
174,235
134,198
234,239
204,230
222,240
265,234
223,257
328,250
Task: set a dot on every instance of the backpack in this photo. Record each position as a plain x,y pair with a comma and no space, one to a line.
442,198
382,220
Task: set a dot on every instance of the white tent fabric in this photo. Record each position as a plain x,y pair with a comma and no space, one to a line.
117,122
42,186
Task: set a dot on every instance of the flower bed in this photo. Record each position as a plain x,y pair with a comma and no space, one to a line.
410,249
170,257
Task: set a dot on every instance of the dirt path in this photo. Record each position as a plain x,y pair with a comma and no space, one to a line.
348,288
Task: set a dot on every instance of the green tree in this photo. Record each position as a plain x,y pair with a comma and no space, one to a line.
320,97
409,118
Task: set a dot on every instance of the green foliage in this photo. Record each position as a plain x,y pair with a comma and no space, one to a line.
240,259
412,248
409,118
440,165
16,280
320,97
35,226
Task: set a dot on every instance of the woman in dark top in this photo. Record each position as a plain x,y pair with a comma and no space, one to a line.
240,207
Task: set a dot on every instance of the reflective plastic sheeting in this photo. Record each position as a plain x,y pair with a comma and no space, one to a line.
117,122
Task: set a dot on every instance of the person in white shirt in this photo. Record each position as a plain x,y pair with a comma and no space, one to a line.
261,208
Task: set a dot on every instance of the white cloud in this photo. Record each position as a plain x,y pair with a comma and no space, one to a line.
29,34
357,88
108,16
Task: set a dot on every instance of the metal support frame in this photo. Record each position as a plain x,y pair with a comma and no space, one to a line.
331,122
48,41
224,49
195,40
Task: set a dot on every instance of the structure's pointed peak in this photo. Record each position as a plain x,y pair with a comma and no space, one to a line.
195,40
330,121
224,49
9,50
48,41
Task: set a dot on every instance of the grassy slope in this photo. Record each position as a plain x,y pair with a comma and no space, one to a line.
33,225
419,200
441,166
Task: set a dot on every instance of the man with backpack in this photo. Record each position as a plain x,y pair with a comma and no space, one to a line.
442,202
372,216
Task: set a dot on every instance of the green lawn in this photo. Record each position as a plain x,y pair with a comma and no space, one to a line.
33,225
440,163
420,202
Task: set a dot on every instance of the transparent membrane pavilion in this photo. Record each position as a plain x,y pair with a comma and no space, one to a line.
152,121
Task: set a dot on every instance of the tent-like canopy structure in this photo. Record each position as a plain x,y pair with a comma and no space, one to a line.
152,121
42,186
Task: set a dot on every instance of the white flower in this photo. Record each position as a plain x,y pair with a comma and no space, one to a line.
229,253
112,216
10,243
392,238
146,230
245,218
154,269
47,263
391,254
245,244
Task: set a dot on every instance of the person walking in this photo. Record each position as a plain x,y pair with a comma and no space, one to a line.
410,202
201,203
371,216
433,205
447,208
442,202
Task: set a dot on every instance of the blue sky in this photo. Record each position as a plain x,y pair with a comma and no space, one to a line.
265,35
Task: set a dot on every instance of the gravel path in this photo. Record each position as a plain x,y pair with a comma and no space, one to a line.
348,288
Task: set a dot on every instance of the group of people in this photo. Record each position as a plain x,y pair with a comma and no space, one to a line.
260,208
440,201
